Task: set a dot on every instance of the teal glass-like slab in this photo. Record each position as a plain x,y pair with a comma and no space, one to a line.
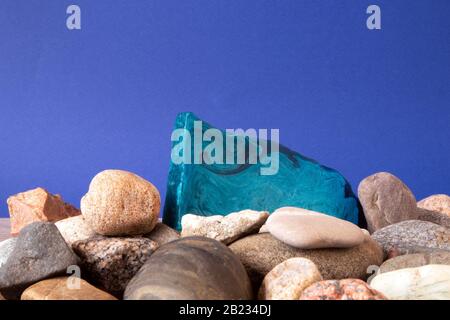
220,189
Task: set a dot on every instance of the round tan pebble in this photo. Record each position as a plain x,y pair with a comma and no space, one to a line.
288,280
121,203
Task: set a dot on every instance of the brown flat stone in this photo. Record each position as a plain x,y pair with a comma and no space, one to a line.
64,288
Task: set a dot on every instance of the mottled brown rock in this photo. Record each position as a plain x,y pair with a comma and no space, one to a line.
261,252
162,234
438,202
415,260
37,205
112,262
386,200
40,252
412,236
307,229
225,229
74,229
347,289
64,288
192,268
288,280
121,203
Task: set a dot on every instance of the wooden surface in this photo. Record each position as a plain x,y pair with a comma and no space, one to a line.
4,229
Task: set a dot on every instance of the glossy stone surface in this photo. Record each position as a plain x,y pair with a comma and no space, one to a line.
192,268
207,190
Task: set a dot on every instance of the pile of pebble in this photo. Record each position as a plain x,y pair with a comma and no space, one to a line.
116,248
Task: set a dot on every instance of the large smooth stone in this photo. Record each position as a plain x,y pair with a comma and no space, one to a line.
121,203
207,190
63,288
415,260
307,229
112,262
37,205
261,252
192,268
346,289
387,200
438,202
40,252
412,236
225,229
288,279
430,282
6,248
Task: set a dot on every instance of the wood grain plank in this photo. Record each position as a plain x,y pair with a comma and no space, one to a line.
4,229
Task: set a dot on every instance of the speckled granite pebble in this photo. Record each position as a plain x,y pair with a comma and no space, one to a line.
347,289
112,262
412,236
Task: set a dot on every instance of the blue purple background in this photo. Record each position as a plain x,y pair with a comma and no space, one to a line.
76,102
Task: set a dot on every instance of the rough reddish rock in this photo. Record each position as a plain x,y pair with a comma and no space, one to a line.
121,203
438,202
37,205
347,289
112,262
59,289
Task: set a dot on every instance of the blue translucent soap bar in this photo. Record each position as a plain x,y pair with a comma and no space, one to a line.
222,188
